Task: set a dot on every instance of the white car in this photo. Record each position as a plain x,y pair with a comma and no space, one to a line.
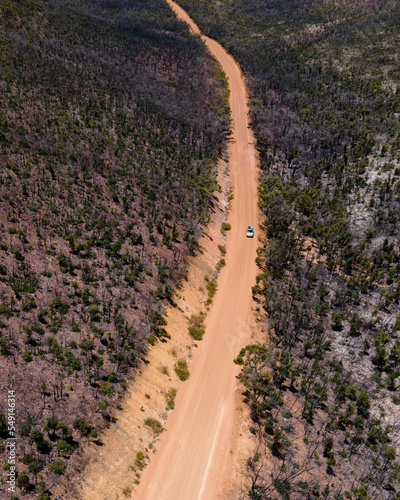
250,232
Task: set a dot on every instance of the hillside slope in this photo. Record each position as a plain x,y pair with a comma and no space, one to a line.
107,168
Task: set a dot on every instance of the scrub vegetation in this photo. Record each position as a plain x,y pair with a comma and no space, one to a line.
112,118
324,84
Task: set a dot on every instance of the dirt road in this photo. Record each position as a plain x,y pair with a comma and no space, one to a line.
193,455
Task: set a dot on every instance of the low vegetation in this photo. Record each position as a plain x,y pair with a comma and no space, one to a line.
139,460
154,425
196,326
211,287
182,370
170,397
222,249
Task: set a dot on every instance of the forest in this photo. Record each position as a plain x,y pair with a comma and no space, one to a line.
112,119
322,390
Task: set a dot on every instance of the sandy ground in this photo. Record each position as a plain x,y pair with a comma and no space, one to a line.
206,438
193,456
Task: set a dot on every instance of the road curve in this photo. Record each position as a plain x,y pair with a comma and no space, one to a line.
192,458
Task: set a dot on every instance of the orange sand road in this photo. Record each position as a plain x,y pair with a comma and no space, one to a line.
192,460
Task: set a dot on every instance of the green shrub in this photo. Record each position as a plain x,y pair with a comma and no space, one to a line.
37,328
105,389
196,326
42,313
222,249
27,356
44,495
196,332
302,484
81,424
220,264
269,426
211,288
23,480
283,487
154,424
181,369
103,405
171,398
64,448
139,460
57,467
